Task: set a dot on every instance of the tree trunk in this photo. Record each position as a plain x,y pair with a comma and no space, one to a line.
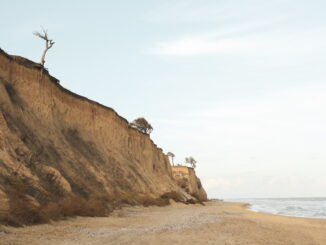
44,53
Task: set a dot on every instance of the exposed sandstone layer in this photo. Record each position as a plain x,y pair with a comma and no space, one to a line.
56,144
187,179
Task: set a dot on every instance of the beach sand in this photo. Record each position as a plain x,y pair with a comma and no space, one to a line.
215,223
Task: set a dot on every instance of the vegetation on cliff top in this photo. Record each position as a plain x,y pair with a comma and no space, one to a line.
31,180
142,125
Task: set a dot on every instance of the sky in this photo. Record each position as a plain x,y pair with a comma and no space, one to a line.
239,85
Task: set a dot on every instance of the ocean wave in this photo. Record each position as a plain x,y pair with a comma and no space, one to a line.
297,207
294,208
320,215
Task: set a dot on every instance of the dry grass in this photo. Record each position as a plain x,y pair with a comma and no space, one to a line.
172,195
163,200
149,201
24,211
70,207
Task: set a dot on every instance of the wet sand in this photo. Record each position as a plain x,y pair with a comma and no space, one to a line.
215,223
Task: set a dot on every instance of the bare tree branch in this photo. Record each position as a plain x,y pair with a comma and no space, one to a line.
48,43
191,161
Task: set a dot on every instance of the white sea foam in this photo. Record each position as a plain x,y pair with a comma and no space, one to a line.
297,207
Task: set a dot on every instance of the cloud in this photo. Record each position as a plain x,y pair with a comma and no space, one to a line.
255,184
197,46
284,131
273,122
278,136
273,44
253,29
222,183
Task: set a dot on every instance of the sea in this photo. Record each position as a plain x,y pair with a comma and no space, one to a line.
314,207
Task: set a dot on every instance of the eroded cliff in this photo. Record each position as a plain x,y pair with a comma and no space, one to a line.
186,178
55,144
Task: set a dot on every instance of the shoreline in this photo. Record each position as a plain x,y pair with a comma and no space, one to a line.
290,216
298,209
215,223
280,215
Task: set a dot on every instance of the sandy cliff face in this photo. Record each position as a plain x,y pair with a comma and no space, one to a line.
55,144
187,179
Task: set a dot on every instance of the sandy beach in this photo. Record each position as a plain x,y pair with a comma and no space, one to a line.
214,223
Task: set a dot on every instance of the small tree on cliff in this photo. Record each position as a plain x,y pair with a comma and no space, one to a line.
170,154
48,43
142,125
191,161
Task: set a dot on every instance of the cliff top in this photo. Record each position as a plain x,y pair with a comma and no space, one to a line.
36,66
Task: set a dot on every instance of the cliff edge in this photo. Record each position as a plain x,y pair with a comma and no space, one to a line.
186,178
56,145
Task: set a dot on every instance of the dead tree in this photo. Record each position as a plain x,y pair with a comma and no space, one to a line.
191,161
170,154
48,43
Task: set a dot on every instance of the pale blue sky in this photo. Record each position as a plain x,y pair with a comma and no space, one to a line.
240,85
